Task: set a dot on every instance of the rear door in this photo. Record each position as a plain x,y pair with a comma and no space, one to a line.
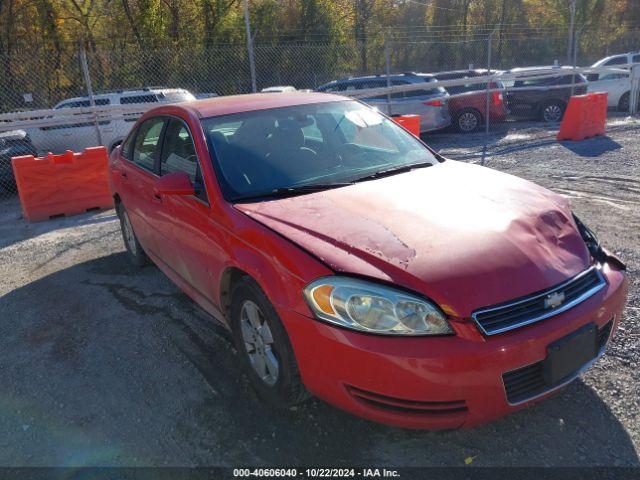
525,102
139,174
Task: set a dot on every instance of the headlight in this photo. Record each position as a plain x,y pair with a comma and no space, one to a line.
373,308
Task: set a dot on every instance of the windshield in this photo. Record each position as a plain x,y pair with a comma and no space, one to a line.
260,152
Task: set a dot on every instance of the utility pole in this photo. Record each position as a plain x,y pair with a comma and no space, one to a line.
252,66
572,18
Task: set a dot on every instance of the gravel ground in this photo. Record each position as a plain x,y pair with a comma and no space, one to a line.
104,364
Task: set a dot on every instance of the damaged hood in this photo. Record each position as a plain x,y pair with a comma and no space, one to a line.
464,235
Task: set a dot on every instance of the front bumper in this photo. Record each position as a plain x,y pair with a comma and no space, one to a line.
436,382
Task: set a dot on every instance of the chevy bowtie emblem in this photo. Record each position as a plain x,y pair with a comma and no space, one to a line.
554,300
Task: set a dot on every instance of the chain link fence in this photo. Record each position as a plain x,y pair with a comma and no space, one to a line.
51,90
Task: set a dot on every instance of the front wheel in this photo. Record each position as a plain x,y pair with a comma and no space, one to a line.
263,345
552,112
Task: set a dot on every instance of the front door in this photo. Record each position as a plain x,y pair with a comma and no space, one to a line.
184,220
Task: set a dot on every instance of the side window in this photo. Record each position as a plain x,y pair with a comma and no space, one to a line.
635,59
179,155
536,82
616,61
79,104
138,99
127,145
147,146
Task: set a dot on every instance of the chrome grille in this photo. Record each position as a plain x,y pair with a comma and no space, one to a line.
541,305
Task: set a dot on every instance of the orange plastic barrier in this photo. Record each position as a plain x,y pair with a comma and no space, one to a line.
409,122
585,117
66,184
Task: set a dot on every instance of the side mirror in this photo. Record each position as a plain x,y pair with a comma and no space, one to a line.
177,183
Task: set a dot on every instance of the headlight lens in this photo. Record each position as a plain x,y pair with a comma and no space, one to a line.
368,307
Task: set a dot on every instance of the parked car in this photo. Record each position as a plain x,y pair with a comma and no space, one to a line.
617,85
468,103
623,59
430,102
352,262
78,136
280,88
539,96
203,95
14,143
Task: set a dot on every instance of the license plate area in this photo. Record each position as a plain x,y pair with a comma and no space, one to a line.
568,354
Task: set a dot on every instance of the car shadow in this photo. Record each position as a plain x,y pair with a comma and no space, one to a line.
107,364
592,147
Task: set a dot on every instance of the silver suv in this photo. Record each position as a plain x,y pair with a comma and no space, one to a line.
78,136
428,102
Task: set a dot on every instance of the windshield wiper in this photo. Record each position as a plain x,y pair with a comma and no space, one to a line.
393,171
294,190
313,187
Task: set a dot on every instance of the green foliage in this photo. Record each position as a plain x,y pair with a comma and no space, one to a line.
200,44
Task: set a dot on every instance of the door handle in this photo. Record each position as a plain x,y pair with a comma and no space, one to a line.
156,198
123,174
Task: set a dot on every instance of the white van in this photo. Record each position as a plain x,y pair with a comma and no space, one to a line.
78,136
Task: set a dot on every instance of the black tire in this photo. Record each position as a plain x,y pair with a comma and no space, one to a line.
136,253
467,120
623,103
552,111
287,389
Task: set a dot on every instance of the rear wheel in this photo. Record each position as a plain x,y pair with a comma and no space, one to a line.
263,345
136,253
552,112
623,103
467,120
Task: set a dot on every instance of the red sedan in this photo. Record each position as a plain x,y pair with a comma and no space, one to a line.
468,103
352,262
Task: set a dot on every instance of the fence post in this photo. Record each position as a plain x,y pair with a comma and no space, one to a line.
87,82
252,65
634,94
576,46
486,112
572,16
387,60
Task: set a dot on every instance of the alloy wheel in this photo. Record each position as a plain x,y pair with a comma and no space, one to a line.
258,341
552,113
467,122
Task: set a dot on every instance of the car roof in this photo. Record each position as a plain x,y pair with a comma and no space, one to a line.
477,71
404,76
213,107
122,93
542,67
